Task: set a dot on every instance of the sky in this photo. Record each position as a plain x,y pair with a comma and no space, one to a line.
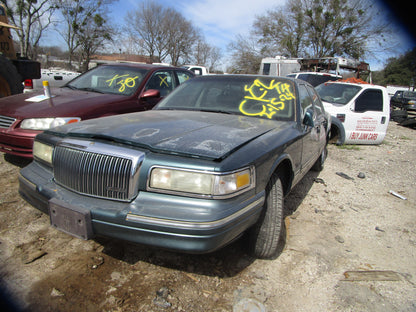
219,20
222,20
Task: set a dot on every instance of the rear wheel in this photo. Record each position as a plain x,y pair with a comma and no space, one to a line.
319,164
10,82
267,236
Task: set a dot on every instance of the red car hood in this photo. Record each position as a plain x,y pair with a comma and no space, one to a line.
64,103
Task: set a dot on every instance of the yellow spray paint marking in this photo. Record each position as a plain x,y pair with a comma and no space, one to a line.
128,81
273,98
163,81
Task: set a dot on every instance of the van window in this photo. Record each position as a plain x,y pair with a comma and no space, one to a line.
369,100
266,68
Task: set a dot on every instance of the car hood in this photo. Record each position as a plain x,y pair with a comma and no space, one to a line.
189,133
334,107
64,103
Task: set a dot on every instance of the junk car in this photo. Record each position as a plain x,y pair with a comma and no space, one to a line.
103,91
360,111
211,161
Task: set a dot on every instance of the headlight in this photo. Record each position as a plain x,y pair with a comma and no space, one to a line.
173,180
43,152
46,123
411,102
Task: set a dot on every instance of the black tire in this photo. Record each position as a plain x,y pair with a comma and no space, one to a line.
267,237
10,80
319,164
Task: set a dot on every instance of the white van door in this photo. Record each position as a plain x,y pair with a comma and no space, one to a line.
367,124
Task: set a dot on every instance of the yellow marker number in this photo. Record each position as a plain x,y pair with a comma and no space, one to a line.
124,81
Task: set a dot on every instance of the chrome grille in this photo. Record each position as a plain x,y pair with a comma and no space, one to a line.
98,170
6,122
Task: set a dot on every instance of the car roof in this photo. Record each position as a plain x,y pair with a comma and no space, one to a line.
316,74
235,76
141,65
364,85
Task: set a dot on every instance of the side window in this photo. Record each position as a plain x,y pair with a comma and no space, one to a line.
162,81
266,69
369,100
183,76
319,107
305,100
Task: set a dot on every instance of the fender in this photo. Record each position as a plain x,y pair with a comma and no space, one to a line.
336,123
288,175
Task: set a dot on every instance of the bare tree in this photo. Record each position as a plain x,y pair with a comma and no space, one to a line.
163,32
32,18
91,37
246,55
146,24
205,54
182,36
282,30
80,16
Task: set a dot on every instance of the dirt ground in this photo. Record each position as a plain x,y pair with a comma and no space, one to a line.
351,246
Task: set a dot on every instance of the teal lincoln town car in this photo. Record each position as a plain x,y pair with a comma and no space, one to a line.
211,161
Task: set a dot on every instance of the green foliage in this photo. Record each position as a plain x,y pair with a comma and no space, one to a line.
398,71
319,28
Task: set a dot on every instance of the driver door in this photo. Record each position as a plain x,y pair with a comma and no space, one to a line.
368,121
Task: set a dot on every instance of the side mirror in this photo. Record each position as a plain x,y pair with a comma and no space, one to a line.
152,93
352,107
308,119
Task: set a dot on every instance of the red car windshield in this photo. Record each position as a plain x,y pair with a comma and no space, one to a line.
110,79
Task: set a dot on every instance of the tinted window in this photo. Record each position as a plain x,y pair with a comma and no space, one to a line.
183,76
305,100
409,94
369,100
264,97
162,81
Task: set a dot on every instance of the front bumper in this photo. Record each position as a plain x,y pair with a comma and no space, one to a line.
178,223
18,144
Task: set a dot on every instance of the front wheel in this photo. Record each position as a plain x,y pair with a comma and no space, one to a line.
267,236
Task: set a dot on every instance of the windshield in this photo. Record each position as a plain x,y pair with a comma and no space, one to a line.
409,95
122,80
315,79
269,98
337,93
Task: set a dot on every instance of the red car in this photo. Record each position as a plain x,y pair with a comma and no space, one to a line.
103,91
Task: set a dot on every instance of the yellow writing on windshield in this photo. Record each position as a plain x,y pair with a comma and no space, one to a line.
122,80
265,100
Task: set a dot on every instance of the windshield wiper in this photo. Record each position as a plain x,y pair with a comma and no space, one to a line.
70,87
90,89
216,111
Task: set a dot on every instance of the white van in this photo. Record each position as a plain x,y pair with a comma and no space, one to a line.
360,111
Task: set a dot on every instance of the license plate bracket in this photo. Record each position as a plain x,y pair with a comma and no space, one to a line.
70,219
